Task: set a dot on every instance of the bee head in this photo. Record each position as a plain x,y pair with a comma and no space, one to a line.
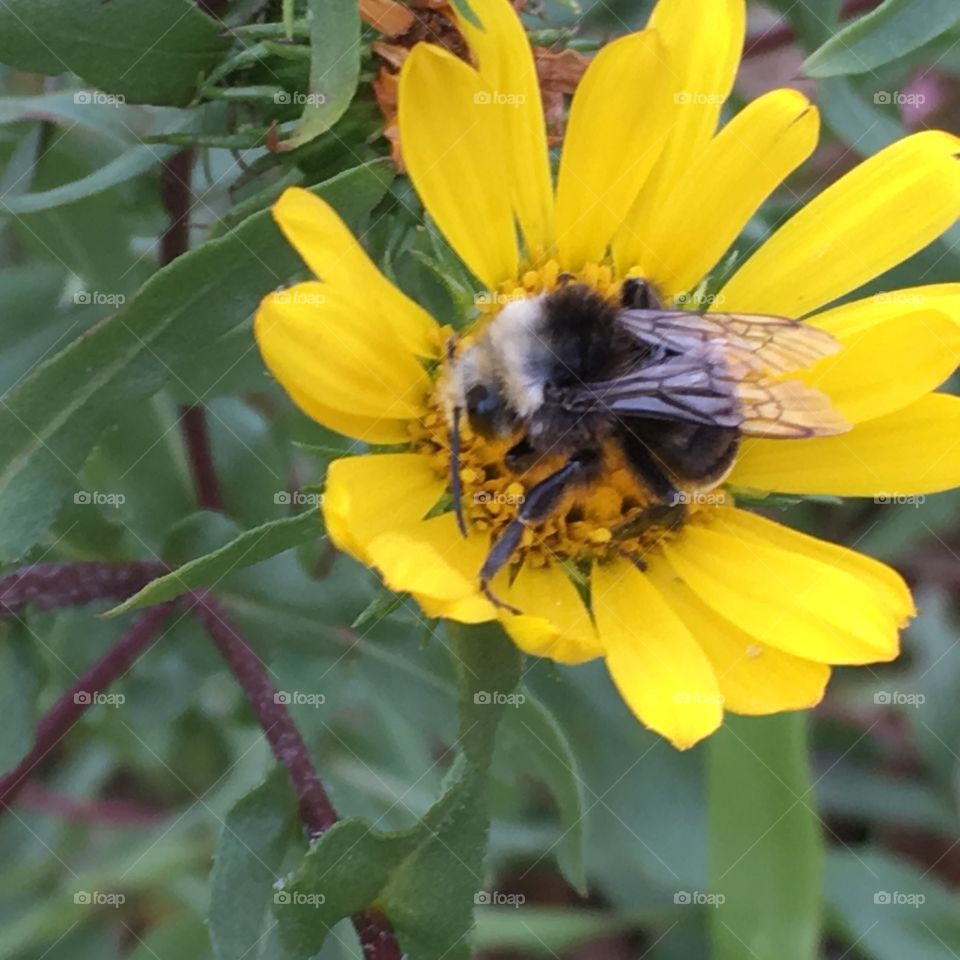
478,394
485,409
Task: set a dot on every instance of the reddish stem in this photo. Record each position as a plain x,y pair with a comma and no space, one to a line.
48,586
98,812
316,810
175,175
58,720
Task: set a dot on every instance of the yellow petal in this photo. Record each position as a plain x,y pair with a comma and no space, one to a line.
554,621
887,366
890,591
367,429
454,140
368,495
619,120
505,63
784,598
852,318
704,40
338,353
754,678
725,185
873,218
430,559
473,609
330,250
910,452
660,670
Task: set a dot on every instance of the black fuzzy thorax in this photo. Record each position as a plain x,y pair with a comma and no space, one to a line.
586,344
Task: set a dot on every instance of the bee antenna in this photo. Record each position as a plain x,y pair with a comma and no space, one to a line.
456,486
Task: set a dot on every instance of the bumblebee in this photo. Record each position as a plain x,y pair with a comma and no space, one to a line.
569,372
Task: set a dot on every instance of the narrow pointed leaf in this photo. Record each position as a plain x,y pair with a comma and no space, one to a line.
765,847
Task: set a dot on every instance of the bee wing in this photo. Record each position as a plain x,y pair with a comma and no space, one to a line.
772,344
786,409
708,387
697,388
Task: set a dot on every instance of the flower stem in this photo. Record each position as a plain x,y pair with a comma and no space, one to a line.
58,720
316,810
48,586
177,199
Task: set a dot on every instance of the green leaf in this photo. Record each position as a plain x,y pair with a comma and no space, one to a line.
184,936
534,737
887,33
131,163
249,548
927,695
334,67
813,24
765,849
144,52
488,668
246,866
850,113
888,909
52,419
549,932
19,686
425,879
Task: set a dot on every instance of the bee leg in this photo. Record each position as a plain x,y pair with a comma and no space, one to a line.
669,515
650,470
521,456
539,504
668,509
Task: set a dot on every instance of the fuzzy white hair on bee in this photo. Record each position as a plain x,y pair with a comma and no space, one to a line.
500,378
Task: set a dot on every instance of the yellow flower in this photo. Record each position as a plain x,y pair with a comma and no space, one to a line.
730,611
